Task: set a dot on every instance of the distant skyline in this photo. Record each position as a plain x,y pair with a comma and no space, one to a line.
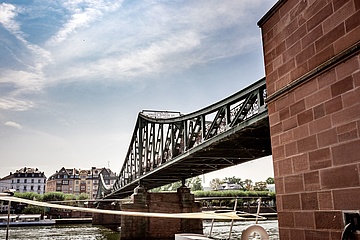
75,74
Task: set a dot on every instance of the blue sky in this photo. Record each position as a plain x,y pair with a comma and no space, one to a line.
75,74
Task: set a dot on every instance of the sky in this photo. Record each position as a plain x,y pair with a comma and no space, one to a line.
74,74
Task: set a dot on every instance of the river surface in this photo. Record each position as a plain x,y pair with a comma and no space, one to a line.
89,232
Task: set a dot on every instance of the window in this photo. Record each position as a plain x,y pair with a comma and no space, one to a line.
39,180
38,187
32,188
18,180
32,180
25,180
65,182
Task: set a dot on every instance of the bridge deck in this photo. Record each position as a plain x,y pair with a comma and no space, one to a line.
245,142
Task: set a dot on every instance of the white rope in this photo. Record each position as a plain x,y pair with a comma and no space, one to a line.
196,215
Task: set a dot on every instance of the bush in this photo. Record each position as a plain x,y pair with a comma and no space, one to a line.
217,195
53,196
29,195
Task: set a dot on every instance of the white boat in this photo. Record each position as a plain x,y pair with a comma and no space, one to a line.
25,220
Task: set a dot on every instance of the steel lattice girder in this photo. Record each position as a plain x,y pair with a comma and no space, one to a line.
165,150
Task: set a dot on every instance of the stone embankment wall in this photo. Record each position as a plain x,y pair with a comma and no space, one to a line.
311,50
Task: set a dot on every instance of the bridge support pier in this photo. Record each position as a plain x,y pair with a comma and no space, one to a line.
107,220
160,228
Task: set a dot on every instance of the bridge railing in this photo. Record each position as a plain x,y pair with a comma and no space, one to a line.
159,137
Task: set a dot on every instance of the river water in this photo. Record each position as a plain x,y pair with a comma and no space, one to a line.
89,232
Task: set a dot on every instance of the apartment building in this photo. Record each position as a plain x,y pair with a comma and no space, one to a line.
77,181
26,179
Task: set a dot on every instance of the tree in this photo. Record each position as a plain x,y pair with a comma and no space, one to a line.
248,184
194,183
233,180
53,196
260,186
270,180
215,183
83,196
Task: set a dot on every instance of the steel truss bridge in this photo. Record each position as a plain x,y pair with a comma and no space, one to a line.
167,146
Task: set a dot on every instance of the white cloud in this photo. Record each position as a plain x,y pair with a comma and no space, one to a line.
7,14
83,12
106,40
14,104
151,38
39,56
13,124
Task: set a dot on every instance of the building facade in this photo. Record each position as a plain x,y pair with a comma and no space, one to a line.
24,180
312,64
77,181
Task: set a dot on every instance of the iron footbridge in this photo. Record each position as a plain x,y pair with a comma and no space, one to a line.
168,146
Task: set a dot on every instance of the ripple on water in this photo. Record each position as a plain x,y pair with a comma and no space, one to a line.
89,232
61,232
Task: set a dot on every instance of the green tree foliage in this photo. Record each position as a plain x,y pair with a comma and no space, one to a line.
53,196
193,183
215,183
83,196
233,180
270,180
260,186
234,194
248,184
29,195
69,197
31,209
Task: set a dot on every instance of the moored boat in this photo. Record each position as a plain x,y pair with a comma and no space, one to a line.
25,220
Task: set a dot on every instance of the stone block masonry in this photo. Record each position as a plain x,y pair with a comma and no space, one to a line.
312,64
181,201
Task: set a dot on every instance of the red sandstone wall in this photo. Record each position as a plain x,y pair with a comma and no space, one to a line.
312,62
161,228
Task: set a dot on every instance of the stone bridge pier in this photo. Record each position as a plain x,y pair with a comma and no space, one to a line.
181,201
312,63
135,228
